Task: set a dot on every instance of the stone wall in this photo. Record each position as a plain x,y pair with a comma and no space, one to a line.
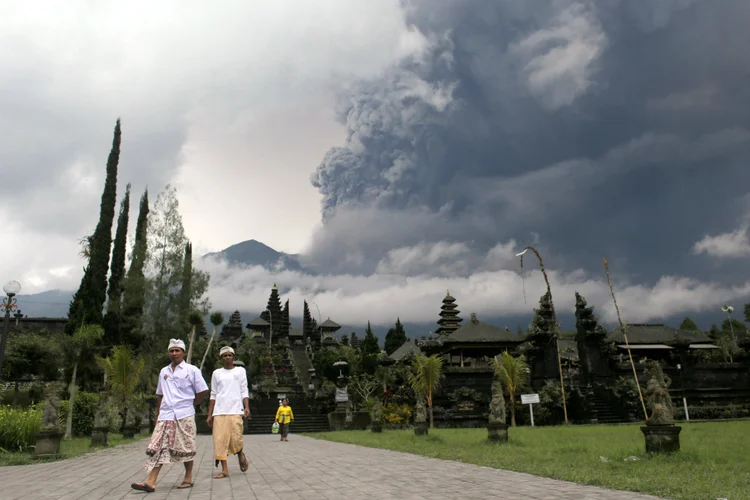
463,398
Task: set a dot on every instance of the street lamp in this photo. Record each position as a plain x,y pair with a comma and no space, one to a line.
11,289
554,323
682,389
729,310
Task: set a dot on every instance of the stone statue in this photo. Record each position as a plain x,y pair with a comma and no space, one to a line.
376,414
497,405
51,410
100,418
657,396
420,414
342,392
349,413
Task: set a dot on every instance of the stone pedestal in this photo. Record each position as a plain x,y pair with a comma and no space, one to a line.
662,438
99,436
337,421
421,429
128,432
497,432
376,427
47,444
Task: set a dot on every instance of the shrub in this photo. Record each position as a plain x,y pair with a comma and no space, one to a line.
84,412
18,426
397,414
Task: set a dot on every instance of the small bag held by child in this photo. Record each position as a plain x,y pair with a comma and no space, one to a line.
275,428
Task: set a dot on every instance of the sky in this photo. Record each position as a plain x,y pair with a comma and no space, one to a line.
403,148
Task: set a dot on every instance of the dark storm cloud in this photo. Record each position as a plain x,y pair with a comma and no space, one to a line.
608,127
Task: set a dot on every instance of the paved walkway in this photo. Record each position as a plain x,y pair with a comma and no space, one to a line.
303,468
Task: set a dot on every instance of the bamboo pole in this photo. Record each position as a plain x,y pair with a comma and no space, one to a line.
554,324
625,335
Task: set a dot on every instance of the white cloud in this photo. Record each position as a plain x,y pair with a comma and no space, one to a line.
734,244
380,298
230,101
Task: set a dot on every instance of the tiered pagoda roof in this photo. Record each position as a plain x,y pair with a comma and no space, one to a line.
477,333
449,320
233,328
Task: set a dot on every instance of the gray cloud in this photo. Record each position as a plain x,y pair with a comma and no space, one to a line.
607,128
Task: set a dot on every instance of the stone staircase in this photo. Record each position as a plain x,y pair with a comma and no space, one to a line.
305,420
605,414
302,362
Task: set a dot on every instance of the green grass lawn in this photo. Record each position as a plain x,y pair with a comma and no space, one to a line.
714,460
68,449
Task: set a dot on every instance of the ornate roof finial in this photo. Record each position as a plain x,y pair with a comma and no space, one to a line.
447,292
275,287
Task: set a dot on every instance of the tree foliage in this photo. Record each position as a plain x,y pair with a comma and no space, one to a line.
513,373
425,377
689,325
123,370
134,289
395,337
88,302
113,318
370,342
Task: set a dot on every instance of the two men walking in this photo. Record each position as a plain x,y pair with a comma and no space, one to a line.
180,389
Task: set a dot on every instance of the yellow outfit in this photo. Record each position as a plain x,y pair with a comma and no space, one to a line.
284,414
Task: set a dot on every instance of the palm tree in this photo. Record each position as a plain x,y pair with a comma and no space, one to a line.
385,375
195,319
123,372
216,319
513,373
427,371
83,340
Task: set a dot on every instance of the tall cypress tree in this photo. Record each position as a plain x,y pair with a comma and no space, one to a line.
134,295
86,306
395,337
113,319
370,342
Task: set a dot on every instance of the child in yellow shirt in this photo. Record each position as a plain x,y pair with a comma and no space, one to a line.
284,417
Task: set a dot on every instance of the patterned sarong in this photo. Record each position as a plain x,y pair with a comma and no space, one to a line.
172,441
227,431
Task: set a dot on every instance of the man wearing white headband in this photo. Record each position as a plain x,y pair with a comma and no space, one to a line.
230,403
179,390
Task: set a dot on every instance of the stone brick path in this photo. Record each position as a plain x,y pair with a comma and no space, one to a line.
303,468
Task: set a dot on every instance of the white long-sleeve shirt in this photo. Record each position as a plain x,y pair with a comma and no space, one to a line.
228,389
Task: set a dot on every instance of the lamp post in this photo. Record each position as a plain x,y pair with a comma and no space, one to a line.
11,289
682,389
729,310
554,323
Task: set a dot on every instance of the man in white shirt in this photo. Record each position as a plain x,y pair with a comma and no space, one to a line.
179,390
230,403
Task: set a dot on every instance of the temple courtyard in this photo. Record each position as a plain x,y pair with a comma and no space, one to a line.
303,468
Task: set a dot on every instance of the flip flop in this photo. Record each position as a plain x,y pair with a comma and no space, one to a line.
220,475
142,487
183,487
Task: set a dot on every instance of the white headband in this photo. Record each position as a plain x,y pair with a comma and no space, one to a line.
225,349
176,343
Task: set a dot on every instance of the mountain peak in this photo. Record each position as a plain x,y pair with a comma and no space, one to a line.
255,253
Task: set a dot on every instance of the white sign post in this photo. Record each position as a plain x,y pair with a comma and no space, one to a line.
530,399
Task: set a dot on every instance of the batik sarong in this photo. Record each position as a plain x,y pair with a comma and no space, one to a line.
227,431
172,441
